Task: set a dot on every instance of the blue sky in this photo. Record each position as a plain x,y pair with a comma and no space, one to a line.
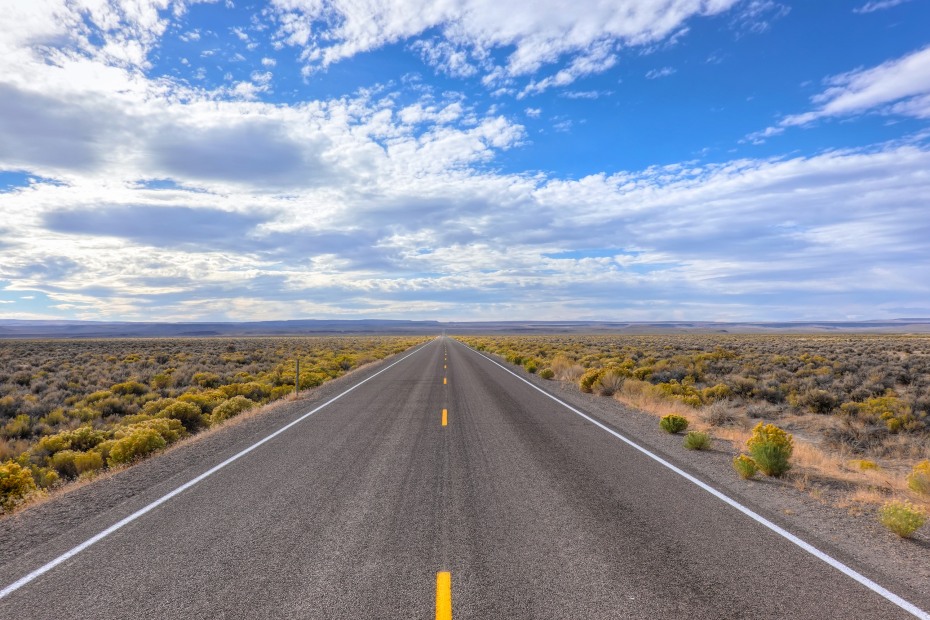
631,160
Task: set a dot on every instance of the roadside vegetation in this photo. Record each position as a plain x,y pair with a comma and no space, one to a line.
74,408
848,412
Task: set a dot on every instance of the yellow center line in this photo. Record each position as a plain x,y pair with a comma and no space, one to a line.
445,417
443,596
443,380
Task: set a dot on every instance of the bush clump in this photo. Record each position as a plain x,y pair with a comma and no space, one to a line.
745,466
187,414
608,383
902,518
919,478
138,444
546,373
673,423
696,440
88,462
230,408
589,379
16,484
771,448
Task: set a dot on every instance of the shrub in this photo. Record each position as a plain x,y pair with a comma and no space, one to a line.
771,448
85,462
50,444
589,378
608,383
546,373
139,443
672,423
919,478
63,463
16,483
865,464
232,407
187,414
902,518
696,440
818,401
129,388
745,466
17,428
170,429
531,366
207,379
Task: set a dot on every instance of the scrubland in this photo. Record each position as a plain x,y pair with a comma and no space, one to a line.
71,409
856,406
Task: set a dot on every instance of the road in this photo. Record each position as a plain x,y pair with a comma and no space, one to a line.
530,510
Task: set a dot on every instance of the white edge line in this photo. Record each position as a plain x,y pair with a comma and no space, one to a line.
16,585
862,579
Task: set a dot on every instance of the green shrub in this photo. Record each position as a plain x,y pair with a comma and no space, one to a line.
546,373
771,448
170,429
17,428
16,484
696,440
902,518
530,366
50,444
129,388
718,392
140,443
589,378
232,407
63,463
252,390
919,478
672,423
207,379
745,466
608,383
187,414
85,462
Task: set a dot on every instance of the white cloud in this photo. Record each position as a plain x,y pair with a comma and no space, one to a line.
445,57
540,33
896,87
367,206
654,74
878,5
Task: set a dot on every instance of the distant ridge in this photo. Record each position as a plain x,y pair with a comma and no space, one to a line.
11,328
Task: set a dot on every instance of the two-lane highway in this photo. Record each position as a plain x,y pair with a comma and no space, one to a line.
443,485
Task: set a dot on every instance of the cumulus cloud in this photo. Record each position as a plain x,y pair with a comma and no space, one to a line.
153,198
539,33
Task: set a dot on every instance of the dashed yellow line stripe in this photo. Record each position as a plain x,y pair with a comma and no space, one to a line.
444,596
445,417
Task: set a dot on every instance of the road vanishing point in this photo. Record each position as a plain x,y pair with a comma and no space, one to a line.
438,485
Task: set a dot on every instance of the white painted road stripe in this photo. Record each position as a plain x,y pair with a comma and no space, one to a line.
887,594
158,502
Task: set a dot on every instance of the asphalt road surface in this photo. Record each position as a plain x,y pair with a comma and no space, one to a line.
533,511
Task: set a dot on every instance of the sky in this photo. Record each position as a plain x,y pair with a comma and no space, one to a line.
731,160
